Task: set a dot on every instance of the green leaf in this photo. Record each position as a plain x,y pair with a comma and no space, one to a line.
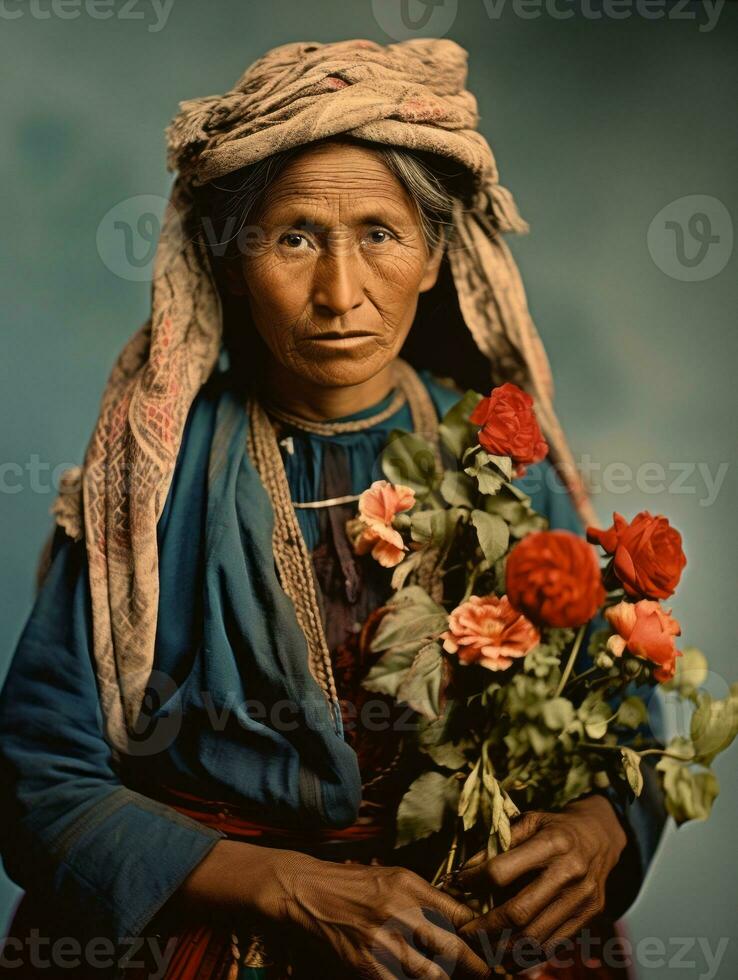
596,722
435,528
469,799
423,808
421,686
714,726
598,641
689,794
690,675
578,781
410,461
541,742
413,618
632,769
490,472
455,430
388,673
447,754
493,534
515,509
558,714
458,489
632,712
402,572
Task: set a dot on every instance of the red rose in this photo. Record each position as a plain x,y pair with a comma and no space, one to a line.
554,578
509,426
647,631
648,554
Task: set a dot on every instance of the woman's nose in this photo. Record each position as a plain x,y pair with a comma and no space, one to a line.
337,285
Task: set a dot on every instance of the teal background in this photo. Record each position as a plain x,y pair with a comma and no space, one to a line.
597,124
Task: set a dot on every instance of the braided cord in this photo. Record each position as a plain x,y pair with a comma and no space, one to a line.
291,554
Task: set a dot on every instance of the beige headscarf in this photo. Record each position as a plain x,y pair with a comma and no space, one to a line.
410,94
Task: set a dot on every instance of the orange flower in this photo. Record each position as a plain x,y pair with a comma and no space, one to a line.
648,554
509,426
378,506
554,578
487,630
646,630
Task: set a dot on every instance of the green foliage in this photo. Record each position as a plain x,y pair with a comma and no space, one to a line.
489,472
689,793
493,534
690,675
421,685
714,726
458,489
514,507
493,742
632,712
632,769
424,806
410,461
412,621
435,528
457,432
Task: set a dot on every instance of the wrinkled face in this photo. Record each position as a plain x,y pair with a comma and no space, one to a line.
335,266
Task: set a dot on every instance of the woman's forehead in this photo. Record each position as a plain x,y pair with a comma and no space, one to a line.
337,176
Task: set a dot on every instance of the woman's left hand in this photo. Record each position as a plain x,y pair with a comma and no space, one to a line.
573,852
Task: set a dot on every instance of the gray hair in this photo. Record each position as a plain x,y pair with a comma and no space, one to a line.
226,206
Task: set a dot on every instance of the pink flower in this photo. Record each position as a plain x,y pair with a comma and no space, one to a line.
378,506
646,630
487,630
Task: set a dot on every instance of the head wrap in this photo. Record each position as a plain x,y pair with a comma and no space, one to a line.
412,95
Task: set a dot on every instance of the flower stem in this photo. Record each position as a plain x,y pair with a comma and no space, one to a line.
570,662
617,748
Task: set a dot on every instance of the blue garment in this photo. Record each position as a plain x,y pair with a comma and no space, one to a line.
79,820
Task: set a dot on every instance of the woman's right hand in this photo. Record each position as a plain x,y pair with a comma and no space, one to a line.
377,921
374,922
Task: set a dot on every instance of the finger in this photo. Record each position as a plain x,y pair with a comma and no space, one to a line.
520,830
411,946
504,868
406,963
455,913
456,956
553,923
535,932
532,901
566,932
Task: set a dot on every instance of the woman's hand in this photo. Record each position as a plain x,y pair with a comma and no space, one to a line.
571,854
379,921
367,921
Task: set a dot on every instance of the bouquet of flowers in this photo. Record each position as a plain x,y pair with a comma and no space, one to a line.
529,665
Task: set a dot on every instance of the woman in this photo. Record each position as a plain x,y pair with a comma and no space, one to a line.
188,756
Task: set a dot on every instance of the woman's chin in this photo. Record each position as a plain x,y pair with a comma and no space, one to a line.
344,363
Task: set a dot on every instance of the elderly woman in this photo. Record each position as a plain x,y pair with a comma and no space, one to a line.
184,765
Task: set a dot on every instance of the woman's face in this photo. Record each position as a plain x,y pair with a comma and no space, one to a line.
335,266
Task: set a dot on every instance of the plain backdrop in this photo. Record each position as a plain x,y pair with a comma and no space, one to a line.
597,123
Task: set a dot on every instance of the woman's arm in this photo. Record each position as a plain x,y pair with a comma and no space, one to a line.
71,831
109,862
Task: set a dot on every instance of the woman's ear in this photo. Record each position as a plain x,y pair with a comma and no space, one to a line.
432,267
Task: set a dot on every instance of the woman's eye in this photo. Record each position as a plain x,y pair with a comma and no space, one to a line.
378,236
293,240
